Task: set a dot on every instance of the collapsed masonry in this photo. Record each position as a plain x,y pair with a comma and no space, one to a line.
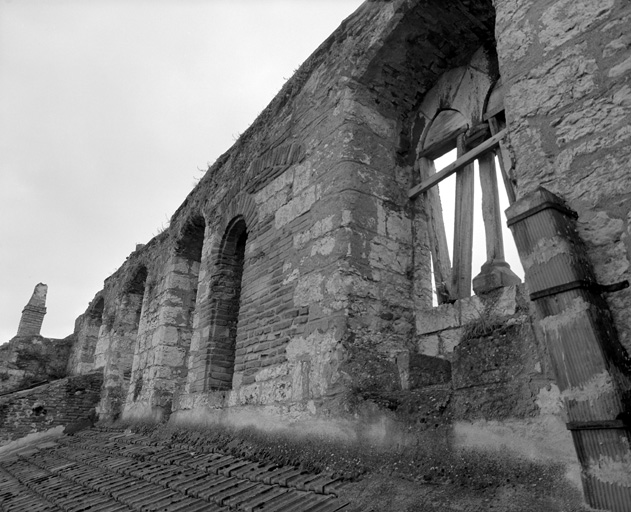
296,280
29,358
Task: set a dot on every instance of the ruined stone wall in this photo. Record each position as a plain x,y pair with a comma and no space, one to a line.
294,280
63,402
334,295
164,331
293,285
498,365
26,360
292,179
566,66
108,332
87,326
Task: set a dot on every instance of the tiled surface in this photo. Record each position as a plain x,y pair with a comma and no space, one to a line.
105,471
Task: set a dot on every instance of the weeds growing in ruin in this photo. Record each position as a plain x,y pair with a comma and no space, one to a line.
432,460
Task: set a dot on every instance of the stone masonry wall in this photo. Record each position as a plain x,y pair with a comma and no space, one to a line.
335,295
30,359
87,328
329,264
306,251
294,281
566,66
63,402
108,333
498,365
133,299
164,334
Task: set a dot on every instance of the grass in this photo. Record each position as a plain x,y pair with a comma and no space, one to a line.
430,460
429,475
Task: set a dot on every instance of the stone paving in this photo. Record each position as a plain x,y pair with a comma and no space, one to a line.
113,471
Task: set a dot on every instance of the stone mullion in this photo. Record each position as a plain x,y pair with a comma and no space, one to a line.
491,208
437,237
463,228
504,160
495,272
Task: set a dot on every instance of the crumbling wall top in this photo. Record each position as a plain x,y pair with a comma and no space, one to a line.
33,313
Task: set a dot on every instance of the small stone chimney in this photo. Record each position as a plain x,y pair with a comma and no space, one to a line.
33,313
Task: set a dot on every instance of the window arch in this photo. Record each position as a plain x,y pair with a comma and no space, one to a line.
225,290
96,311
450,130
442,133
191,242
84,353
446,133
134,301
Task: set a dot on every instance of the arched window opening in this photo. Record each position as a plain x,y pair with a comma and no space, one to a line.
466,172
135,292
192,240
189,247
134,302
226,300
136,284
83,358
445,136
96,312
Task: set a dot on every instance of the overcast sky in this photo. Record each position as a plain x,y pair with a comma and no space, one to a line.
108,108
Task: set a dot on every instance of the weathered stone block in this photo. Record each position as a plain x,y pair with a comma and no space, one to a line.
428,371
437,319
567,19
558,82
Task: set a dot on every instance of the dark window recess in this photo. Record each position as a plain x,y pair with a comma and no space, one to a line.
226,301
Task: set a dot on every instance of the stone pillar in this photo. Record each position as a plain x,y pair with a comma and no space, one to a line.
161,351
592,369
495,272
33,313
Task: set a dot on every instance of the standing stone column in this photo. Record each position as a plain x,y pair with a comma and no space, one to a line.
33,313
592,368
495,272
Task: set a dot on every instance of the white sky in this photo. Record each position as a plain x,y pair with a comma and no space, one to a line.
108,108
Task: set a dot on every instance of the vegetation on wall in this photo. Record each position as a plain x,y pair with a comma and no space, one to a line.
431,460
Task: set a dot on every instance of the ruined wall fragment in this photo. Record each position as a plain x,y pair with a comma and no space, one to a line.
569,109
64,402
33,313
335,298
